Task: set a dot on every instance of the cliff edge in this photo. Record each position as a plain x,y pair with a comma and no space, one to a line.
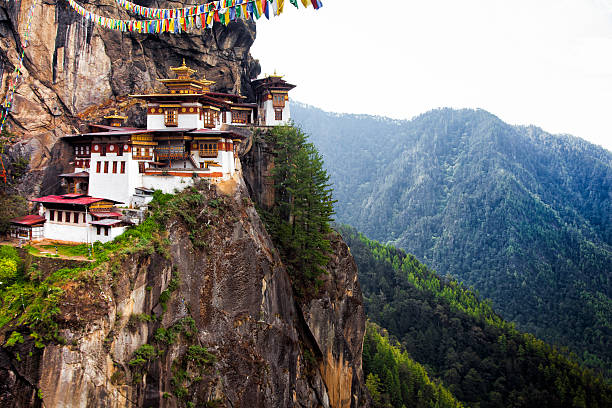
201,314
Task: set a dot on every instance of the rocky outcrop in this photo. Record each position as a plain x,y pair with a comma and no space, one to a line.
222,287
72,67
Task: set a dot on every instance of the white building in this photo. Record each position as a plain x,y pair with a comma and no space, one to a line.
80,218
272,93
187,137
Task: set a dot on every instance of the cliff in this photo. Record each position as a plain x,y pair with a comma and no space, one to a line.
203,313
74,70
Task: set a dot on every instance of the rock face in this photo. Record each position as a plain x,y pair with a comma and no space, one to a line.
71,67
270,350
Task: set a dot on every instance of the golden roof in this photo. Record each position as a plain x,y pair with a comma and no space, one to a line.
183,72
115,116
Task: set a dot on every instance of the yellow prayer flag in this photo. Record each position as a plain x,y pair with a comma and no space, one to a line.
281,4
305,3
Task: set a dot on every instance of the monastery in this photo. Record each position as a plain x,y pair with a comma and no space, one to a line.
191,133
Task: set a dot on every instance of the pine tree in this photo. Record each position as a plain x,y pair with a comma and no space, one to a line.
299,220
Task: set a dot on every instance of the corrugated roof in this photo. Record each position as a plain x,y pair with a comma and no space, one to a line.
29,220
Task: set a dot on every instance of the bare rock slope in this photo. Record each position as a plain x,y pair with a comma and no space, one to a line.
137,326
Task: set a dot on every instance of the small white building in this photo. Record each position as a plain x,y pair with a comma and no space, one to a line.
272,94
80,218
29,227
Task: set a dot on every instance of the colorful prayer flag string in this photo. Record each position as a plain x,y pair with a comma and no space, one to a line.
186,18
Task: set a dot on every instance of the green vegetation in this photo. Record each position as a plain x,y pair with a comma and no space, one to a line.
143,355
299,220
27,301
13,206
521,215
482,360
395,380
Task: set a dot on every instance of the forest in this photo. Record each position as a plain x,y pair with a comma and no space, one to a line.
459,339
521,215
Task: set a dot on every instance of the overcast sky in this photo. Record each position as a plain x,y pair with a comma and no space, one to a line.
541,62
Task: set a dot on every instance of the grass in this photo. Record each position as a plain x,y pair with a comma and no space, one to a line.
67,250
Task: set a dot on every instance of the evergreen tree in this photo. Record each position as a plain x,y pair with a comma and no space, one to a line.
299,220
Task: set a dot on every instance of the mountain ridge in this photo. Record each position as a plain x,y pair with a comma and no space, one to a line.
518,213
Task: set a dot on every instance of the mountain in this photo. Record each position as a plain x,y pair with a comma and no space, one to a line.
523,216
459,339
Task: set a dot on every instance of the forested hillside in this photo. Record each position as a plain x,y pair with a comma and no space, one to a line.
480,358
523,216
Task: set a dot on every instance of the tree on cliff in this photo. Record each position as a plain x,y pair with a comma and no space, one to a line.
299,220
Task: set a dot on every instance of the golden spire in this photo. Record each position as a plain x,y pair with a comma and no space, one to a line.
183,72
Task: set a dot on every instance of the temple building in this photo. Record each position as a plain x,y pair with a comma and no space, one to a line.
80,218
272,94
191,133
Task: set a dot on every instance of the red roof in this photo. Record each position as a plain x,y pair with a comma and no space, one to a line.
70,199
29,220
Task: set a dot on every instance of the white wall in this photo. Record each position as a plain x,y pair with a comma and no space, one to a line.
112,233
66,232
269,109
115,186
167,184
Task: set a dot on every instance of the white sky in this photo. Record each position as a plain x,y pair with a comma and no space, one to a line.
541,62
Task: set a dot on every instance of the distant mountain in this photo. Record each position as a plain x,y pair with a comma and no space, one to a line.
523,216
478,357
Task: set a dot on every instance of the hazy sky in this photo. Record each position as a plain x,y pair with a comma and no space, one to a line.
541,62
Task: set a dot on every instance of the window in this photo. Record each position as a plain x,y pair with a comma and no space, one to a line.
278,100
106,229
98,164
114,167
76,218
106,167
240,116
119,149
171,117
141,167
122,167
278,114
59,216
208,149
224,117
208,120
87,149
97,230
67,216
84,218
102,150
51,215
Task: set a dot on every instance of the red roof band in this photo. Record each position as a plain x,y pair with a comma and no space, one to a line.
71,199
32,219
